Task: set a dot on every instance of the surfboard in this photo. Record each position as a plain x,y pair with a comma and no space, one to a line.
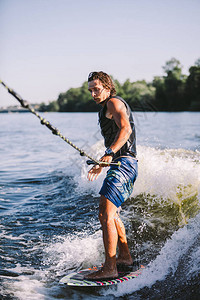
76,279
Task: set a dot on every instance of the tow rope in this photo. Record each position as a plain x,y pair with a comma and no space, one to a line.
54,130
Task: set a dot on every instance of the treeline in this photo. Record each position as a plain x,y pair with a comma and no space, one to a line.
172,92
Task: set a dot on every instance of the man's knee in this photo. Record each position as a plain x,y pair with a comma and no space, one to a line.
107,210
106,218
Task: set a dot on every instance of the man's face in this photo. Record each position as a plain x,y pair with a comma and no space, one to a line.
98,92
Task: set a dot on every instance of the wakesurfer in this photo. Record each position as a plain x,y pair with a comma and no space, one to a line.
118,130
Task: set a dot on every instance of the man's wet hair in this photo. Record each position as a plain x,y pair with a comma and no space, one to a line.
105,80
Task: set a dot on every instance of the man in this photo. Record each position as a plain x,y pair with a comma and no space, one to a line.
117,128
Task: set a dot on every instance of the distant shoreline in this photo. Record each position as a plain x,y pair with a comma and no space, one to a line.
7,111
23,110
17,109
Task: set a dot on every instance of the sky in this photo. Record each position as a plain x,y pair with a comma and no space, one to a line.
49,46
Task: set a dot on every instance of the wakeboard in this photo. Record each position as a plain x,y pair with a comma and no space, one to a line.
76,279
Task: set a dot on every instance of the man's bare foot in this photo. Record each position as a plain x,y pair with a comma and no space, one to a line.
127,261
102,274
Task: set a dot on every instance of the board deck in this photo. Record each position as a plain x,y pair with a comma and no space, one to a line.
76,279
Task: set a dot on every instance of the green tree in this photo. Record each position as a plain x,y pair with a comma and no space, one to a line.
87,103
193,87
122,89
174,84
139,95
53,106
76,99
69,101
43,107
160,100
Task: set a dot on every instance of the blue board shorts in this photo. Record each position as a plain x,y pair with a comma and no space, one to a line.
119,181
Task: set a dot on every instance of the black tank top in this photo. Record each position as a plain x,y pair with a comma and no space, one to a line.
109,131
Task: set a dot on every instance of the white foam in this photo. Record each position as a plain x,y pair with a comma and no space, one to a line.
25,288
74,252
61,255
166,172
163,173
167,261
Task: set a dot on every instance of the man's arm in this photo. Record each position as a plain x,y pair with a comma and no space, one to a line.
117,110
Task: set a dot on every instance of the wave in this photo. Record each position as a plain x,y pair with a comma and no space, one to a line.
60,213
165,175
176,266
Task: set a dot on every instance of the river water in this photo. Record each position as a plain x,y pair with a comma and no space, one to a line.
49,211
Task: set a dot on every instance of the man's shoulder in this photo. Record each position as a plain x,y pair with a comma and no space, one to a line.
116,102
117,98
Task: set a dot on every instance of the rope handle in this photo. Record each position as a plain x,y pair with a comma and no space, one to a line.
90,162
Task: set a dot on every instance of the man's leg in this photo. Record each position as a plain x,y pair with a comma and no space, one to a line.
124,256
107,211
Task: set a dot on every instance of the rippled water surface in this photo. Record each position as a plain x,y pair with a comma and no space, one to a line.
49,211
